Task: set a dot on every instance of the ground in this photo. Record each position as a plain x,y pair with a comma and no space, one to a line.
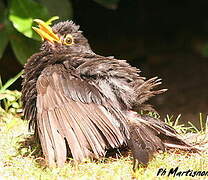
20,158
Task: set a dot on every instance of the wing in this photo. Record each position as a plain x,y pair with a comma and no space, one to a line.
73,112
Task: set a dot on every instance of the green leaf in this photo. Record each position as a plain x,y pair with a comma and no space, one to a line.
22,13
3,31
110,4
23,47
62,8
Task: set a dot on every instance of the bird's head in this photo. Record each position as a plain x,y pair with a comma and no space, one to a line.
63,36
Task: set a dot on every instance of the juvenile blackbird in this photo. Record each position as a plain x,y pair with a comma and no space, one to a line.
85,104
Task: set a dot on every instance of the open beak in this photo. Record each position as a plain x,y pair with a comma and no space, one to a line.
45,31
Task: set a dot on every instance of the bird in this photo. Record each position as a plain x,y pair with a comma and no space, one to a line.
82,104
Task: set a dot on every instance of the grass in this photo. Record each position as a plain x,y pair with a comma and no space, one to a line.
20,160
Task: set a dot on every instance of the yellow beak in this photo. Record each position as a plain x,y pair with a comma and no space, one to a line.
45,31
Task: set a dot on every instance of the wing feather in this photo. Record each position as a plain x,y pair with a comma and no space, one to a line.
73,112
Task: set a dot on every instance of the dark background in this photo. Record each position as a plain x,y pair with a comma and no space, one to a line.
163,38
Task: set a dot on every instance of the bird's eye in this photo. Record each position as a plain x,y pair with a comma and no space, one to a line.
68,40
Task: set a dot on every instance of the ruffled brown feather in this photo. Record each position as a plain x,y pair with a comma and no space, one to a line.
77,99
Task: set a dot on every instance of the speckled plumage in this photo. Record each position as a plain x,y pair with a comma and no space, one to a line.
75,98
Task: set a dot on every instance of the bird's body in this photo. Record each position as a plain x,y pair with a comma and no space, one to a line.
87,103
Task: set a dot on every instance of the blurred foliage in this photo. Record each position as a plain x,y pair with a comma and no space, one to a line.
204,50
111,4
10,101
16,20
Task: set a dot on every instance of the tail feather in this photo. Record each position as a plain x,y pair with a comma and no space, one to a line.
144,90
141,142
149,135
